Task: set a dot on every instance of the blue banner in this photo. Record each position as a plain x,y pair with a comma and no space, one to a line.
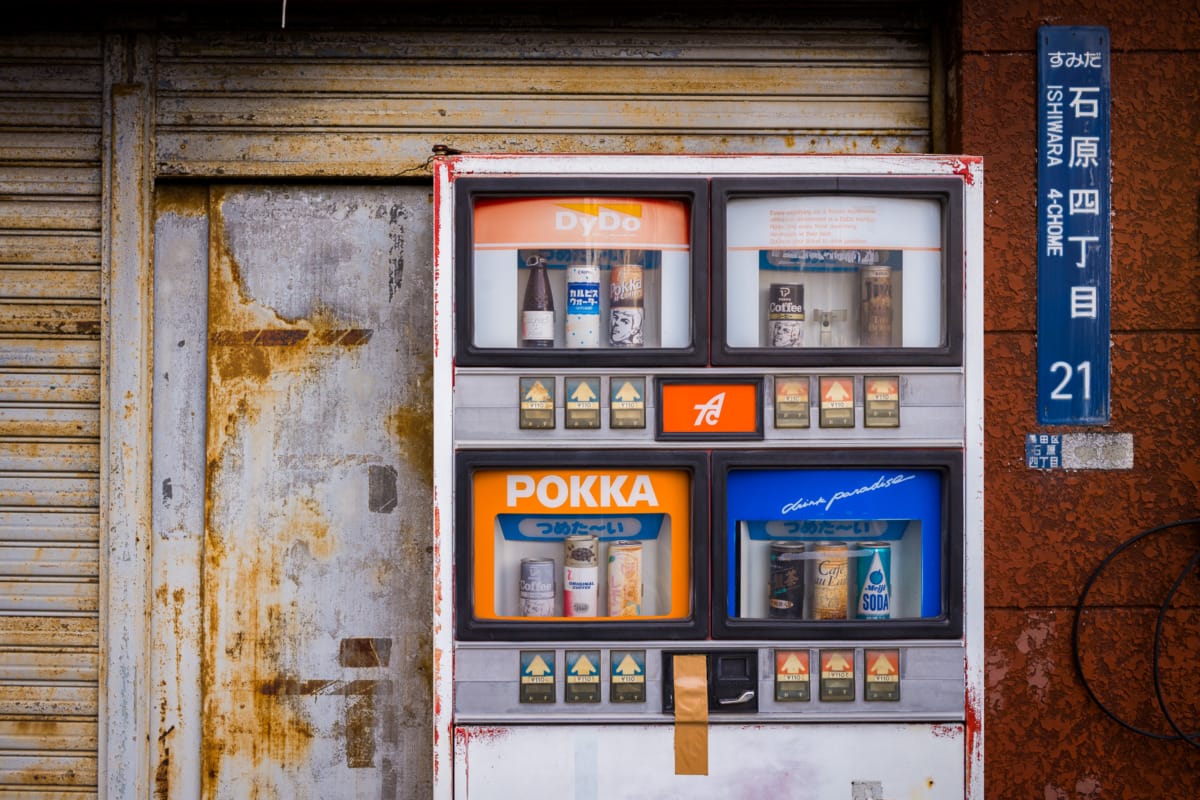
1074,228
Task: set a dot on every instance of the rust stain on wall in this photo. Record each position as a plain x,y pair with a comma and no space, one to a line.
255,355
412,426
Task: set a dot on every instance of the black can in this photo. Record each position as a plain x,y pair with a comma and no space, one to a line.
786,598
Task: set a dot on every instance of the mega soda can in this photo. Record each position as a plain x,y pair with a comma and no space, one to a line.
873,582
786,592
625,579
828,586
785,314
583,306
537,591
581,575
875,316
626,306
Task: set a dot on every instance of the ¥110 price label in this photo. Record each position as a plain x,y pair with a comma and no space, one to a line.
1074,229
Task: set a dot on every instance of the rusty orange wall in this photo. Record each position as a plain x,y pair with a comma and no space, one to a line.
1047,530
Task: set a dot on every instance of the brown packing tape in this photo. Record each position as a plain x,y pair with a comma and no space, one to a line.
691,715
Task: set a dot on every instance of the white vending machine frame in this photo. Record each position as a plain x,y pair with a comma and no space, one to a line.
843,757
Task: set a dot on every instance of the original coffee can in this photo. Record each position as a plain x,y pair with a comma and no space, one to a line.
626,307
537,587
875,317
581,575
785,599
827,589
785,314
583,306
625,579
873,582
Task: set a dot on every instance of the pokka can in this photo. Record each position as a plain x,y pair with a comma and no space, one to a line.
828,586
626,306
875,316
873,582
581,576
785,314
537,590
785,599
583,306
625,579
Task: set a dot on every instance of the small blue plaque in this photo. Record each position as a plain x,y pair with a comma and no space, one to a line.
1043,451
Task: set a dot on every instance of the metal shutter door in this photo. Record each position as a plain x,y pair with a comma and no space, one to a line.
372,103
50,87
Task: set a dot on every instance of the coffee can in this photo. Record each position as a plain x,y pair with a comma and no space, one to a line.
828,585
581,575
785,314
785,599
583,306
537,587
626,306
873,582
875,317
625,579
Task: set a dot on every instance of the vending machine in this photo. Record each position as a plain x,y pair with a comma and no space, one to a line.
708,477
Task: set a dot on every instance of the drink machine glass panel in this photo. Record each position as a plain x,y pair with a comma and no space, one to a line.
563,275
830,545
868,266
605,546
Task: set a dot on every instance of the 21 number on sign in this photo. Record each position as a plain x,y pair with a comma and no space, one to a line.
1085,376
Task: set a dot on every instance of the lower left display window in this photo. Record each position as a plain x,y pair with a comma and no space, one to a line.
582,545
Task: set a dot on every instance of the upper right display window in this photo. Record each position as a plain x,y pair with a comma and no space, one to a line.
854,270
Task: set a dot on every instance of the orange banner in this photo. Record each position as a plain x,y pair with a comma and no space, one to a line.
609,222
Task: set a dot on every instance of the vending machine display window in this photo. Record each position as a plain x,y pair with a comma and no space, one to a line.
832,546
868,269
603,546
581,271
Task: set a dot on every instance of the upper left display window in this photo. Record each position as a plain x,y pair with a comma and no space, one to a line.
587,271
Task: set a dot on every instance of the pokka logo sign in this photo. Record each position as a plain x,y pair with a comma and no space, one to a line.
581,491
589,218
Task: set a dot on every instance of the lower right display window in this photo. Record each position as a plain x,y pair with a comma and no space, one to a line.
830,545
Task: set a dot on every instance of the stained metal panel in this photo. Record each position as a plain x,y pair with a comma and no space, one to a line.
315,571
50,245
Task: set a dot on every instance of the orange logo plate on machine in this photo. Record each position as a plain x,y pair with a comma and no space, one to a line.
730,409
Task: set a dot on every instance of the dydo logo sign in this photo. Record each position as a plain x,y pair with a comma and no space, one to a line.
589,218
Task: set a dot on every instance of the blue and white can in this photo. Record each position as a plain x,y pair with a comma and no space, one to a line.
583,306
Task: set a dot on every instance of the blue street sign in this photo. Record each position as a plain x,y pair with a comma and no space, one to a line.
1074,229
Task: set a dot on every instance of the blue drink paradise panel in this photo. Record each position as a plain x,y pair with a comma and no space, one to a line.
901,507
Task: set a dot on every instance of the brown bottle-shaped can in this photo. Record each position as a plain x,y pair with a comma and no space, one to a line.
875,316
537,308
626,306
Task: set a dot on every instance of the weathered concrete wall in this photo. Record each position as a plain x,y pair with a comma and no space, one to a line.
1048,530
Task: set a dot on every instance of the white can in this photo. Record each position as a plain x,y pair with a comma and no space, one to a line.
581,576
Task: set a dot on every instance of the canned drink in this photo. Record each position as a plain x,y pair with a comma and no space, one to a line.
581,575
626,307
537,587
785,314
873,584
786,594
583,306
827,593
625,579
875,319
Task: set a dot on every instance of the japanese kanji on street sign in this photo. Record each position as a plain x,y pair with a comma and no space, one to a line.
1074,229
